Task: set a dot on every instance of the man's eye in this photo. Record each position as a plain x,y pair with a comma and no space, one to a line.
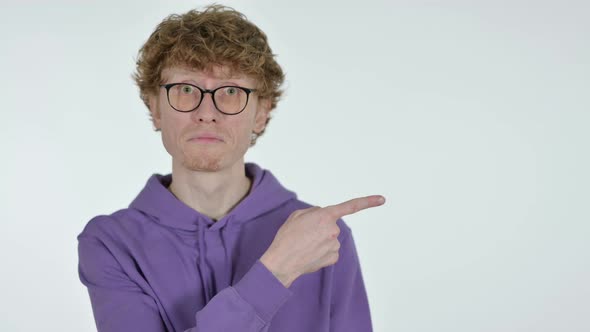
230,91
187,89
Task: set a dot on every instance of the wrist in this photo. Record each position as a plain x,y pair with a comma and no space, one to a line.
284,277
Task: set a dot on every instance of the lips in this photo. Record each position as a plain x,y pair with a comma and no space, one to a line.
206,137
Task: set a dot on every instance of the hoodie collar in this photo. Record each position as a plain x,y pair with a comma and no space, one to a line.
159,203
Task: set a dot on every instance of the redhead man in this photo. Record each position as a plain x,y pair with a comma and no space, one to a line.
219,244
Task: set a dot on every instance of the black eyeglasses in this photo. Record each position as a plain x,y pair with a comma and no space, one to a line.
186,97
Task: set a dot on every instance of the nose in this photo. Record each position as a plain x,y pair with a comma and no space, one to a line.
206,112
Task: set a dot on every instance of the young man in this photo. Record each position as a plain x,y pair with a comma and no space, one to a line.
219,244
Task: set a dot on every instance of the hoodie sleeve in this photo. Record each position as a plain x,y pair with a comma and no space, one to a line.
350,307
120,304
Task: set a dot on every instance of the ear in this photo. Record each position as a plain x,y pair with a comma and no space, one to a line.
262,114
154,108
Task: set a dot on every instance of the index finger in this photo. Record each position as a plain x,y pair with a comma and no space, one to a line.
355,205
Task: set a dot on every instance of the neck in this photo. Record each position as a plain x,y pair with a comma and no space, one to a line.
213,194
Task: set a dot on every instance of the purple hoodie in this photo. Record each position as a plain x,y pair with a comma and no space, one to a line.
160,265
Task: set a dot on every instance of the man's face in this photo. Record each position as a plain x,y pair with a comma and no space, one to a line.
181,131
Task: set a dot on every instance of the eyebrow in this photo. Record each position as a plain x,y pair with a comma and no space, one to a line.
222,83
188,77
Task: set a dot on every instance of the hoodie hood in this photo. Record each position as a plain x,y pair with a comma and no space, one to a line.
266,194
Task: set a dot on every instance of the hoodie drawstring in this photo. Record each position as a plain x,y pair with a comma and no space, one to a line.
205,271
227,252
203,266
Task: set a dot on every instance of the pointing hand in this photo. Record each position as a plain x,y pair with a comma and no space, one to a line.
308,240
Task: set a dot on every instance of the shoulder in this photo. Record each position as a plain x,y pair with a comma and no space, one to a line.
117,226
112,241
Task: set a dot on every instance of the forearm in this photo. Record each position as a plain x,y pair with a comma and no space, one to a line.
249,305
119,303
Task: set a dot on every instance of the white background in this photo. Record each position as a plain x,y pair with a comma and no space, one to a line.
470,118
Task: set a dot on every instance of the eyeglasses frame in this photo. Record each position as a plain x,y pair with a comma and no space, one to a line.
212,92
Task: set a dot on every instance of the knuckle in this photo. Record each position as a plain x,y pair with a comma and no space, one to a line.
313,208
337,246
304,211
335,234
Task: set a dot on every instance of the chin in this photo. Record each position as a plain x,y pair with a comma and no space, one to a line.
202,164
202,160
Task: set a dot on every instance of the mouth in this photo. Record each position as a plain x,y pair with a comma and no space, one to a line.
206,138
